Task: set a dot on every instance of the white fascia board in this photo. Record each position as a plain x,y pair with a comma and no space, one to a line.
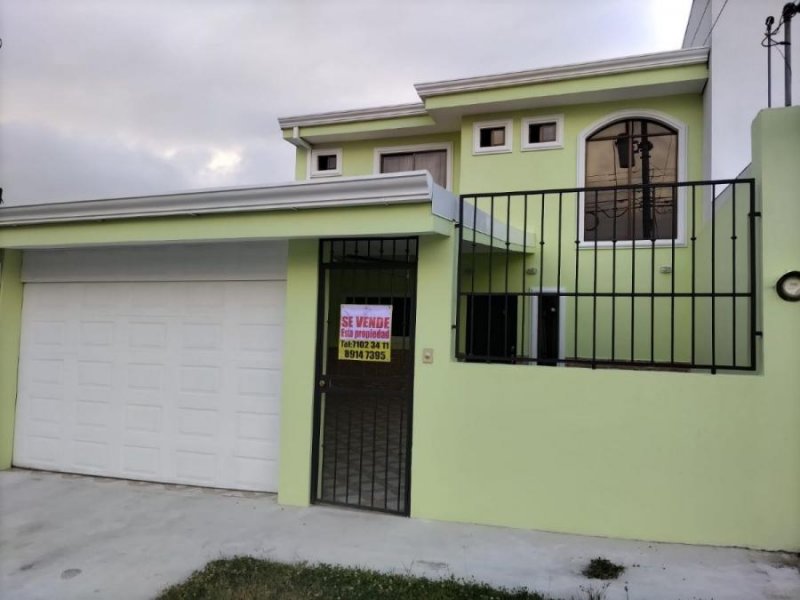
625,64
352,116
391,188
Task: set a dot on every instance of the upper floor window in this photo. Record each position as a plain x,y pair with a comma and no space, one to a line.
541,133
491,136
433,158
326,162
630,152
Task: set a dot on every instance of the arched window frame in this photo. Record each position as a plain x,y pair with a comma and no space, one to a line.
682,130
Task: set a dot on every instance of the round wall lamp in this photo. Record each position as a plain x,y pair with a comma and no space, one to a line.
788,286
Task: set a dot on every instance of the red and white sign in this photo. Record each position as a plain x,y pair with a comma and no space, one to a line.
365,332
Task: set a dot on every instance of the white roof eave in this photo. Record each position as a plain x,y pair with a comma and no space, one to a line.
626,64
394,188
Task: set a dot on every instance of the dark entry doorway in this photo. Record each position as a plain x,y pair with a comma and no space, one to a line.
548,333
492,327
364,389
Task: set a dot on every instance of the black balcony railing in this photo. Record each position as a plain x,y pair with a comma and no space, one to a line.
635,276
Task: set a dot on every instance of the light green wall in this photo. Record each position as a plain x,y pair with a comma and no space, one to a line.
663,456
401,219
297,391
679,457
10,316
358,157
554,89
557,168
409,122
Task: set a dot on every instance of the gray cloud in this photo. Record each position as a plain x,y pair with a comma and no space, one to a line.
123,97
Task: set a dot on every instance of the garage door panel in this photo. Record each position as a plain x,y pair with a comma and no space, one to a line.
174,382
247,471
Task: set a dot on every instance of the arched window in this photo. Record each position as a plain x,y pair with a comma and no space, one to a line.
630,152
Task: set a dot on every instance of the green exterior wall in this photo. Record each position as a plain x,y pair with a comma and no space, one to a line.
10,317
679,457
297,392
557,168
554,89
358,157
402,219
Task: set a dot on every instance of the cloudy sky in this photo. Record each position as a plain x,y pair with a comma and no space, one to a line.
103,98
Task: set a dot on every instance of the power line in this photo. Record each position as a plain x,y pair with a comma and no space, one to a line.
714,24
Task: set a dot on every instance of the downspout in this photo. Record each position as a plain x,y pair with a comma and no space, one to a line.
297,140
301,143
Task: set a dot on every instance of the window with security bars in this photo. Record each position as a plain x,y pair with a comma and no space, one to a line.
634,152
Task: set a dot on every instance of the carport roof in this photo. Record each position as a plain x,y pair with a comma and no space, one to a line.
385,189
375,205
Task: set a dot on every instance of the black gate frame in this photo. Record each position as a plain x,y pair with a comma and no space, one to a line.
320,378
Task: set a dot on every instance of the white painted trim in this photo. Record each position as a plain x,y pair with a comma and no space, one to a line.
526,146
391,188
415,109
682,130
625,64
476,138
446,146
562,323
316,152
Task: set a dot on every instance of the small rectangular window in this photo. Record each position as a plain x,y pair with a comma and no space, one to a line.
492,137
542,133
326,162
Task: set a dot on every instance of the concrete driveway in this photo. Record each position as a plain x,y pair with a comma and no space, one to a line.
65,536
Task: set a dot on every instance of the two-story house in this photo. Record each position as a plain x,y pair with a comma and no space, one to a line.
521,301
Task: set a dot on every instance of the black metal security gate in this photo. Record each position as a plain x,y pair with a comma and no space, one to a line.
362,409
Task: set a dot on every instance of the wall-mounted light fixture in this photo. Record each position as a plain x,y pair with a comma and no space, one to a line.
788,286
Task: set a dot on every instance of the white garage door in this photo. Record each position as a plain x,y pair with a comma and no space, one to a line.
173,381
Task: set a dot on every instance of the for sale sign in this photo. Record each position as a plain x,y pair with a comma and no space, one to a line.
365,332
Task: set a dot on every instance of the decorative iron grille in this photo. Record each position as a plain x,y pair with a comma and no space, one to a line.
537,284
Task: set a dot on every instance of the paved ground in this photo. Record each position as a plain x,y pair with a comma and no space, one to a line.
64,536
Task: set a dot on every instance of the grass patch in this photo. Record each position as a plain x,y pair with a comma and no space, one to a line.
602,568
246,578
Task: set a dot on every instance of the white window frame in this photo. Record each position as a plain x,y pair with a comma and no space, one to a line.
316,152
507,124
446,146
682,130
526,145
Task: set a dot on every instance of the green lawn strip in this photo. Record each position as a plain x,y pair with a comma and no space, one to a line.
246,578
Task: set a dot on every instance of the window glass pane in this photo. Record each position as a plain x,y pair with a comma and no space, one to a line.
397,163
433,161
613,130
624,153
326,162
493,136
541,132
